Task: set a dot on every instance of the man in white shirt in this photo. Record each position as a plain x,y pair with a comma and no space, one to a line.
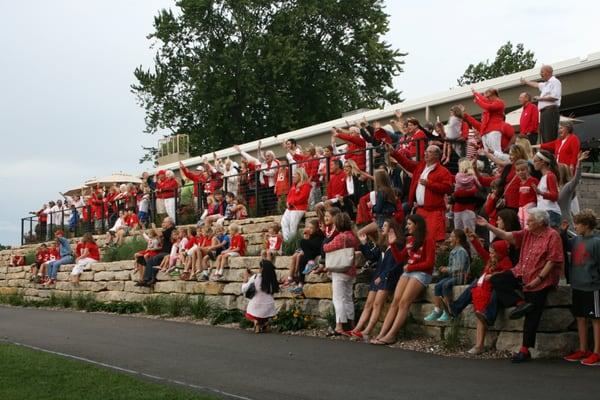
548,102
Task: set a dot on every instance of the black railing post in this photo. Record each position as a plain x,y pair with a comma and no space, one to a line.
90,218
328,170
371,160
418,145
62,219
256,183
176,204
22,231
152,207
31,227
225,184
51,230
290,174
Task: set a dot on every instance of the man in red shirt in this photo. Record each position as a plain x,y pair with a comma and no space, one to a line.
537,273
566,147
530,118
356,145
430,183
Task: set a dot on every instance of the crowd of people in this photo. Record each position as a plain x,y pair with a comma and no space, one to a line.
394,192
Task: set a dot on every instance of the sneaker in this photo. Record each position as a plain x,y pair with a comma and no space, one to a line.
433,315
310,265
444,317
577,356
297,290
592,360
474,351
520,357
521,310
204,276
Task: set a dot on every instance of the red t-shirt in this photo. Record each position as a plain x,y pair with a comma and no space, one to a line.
238,242
131,220
336,185
93,251
526,193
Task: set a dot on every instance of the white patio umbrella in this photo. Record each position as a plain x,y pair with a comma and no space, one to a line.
119,177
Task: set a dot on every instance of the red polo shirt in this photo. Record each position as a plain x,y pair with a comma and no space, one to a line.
530,119
337,185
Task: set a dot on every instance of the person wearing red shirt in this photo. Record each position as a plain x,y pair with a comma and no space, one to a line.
41,256
167,189
414,141
237,248
198,178
131,220
429,185
537,272
282,185
566,147
89,254
297,204
492,118
336,188
527,194
419,258
530,118
356,146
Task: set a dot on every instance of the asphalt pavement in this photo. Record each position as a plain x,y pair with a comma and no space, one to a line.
239,364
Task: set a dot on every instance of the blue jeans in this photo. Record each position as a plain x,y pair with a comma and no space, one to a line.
465,299
444,287
53,266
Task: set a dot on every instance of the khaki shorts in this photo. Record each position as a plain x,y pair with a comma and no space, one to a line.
160,206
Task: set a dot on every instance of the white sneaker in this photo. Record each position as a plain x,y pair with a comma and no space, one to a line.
474,351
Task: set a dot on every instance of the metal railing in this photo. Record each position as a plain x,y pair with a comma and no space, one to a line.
35,231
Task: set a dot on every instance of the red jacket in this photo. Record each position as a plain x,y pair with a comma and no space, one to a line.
422,259
439,182
166,188
492,117
411,149
530,119
567,153
310,165
337,185
297,198
508,131
356,149
526,193
194,177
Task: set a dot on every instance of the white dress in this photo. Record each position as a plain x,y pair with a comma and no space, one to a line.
262,305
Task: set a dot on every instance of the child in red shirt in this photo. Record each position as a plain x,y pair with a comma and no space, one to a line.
273,240
237,248
527,194
87,253
41,256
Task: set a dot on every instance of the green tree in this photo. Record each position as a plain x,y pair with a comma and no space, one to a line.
232,71
508,61
3,247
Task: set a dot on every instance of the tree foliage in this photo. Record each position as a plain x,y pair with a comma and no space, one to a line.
231,71
508,60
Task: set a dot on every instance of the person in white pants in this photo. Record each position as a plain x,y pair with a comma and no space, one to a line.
89,254
297,204
342,282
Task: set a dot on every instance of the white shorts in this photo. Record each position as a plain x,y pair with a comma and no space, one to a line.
82,264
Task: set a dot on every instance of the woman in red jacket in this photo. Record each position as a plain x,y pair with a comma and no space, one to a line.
419,255
167,190
356,146
297,204
492,118
565,148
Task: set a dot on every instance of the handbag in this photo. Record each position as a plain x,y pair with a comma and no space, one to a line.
251,291
340,260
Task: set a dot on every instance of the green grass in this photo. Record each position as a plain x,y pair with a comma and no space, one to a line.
125,251
29,374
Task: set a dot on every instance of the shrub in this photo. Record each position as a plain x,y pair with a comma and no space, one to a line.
452,335
177,305
65,301
154,305
293,319
30,257
201,308
290,246
83,301
14,299
122,307
125,251
219,315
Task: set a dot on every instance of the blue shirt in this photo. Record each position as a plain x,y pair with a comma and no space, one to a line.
64,247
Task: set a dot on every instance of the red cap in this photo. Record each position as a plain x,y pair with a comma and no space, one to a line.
161,172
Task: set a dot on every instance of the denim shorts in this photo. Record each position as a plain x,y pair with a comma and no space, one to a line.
422,277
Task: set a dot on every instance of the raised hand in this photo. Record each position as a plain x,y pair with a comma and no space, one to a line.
362,237
392,237
583,155
481,221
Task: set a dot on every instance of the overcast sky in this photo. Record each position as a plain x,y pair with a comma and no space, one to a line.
67,113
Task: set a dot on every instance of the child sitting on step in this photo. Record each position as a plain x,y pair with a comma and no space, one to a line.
273,239
212,248
237,248
153,246
88,253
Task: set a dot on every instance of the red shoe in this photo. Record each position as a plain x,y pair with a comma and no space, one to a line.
577,356
357,334
593,360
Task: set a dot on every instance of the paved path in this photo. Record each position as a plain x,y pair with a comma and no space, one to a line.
283,367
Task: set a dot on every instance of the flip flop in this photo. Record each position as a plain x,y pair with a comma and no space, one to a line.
378,342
